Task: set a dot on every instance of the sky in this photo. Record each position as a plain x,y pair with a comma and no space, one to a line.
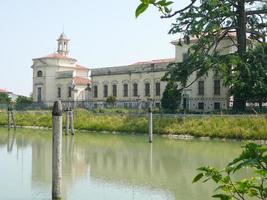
103,33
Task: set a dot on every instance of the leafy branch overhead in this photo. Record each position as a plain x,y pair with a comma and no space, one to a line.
242,23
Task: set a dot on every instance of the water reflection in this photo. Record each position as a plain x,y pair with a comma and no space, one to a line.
102,166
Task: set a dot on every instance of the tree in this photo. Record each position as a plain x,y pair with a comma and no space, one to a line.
212,21
257,79
253,157
22,102
111,100
171,97
4,98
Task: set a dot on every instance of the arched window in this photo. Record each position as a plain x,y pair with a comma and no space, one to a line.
95,90
125,90
147,89
105,92
114,90
158,89
39,73
135,89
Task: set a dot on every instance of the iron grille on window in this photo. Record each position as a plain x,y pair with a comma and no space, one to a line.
147,89
125,90
135,89
157,89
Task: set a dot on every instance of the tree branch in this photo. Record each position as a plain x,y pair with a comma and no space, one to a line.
179,11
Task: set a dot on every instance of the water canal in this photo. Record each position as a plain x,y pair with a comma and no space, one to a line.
106,166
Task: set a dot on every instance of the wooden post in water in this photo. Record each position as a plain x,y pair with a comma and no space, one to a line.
71,122
150,125
8,118
13,119
57,150
67,121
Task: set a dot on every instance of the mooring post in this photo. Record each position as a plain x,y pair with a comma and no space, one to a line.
71,122
8,118
57,150
67,121
13,119
150,125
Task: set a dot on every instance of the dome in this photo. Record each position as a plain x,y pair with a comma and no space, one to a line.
63,37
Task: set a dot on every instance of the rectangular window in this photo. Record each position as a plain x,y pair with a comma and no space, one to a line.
217,87
185,56
105,91
157,89
95,91
135,89
125,90
147,89
59,92
69,92
39,94
200,87
201,106
114,90
217,106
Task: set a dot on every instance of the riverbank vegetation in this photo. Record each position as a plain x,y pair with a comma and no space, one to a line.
240,127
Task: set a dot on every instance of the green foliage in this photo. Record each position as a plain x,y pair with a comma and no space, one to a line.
4,98
254,157
162,5
23,100
111,100
212,21
171,97
245,127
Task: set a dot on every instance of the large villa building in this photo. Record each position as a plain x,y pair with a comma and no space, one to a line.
58,76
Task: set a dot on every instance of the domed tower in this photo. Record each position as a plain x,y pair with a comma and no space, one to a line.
63,44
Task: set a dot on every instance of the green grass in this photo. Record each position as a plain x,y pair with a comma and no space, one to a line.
245,127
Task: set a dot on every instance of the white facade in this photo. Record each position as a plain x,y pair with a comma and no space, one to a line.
206,94
57,76
135,83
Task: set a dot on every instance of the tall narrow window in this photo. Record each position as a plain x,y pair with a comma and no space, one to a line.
105,91
125,90
135,89
59,92
158,89
147,89
69,92
114,90
200,87
95,89
39,94
217,87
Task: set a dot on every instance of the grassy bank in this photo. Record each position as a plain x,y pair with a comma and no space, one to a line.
246,127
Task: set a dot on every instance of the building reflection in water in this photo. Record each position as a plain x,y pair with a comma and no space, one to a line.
166,165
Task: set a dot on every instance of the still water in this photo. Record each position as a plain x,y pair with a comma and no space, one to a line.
105,166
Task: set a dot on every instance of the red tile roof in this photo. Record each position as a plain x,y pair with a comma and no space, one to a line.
158,61
80,80
3,91
57,55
